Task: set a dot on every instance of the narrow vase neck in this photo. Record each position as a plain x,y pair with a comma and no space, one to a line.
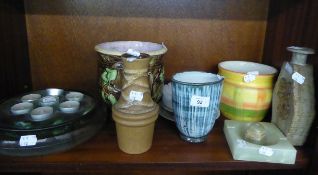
300,54
299,59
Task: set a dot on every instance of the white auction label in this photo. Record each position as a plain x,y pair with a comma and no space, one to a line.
200,101
298,78
28,140
250,76
136,96
264,150
288,68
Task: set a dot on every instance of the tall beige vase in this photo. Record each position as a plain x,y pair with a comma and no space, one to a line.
293,108
135,112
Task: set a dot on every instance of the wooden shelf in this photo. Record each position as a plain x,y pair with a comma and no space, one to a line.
205,31
168,153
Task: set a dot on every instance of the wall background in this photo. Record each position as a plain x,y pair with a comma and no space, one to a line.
198,34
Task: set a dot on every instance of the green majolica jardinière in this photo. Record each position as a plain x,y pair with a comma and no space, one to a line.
111,67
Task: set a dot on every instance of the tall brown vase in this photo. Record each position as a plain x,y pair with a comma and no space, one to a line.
135,112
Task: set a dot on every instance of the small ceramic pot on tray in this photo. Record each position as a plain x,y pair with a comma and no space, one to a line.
47,121
44,109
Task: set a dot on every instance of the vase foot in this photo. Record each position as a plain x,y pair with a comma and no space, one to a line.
193,139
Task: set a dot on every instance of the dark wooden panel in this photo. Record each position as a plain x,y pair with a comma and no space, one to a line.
278,172
168,154
154,172
290,22
62,34
293,22
314,162
200,9
173,172
14,64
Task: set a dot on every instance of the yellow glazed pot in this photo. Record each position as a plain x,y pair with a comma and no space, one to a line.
247,90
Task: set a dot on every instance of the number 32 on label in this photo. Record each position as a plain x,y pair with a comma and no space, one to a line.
200,101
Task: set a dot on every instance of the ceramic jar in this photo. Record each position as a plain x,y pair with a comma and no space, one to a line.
135,112
247,90
196,99
111,67
293,104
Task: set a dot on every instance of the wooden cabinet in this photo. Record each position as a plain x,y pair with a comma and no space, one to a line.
15,74
51,44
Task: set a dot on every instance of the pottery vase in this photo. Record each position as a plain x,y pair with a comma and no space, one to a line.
196,99
111,67
135,112
247,91
294,98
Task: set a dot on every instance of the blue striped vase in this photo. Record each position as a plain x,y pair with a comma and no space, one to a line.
196,99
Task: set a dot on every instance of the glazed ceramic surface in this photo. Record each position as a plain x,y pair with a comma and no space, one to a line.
74,96
246,100
195,100
30,97
293,107
41,113
135,112
21,108
69,106
111,67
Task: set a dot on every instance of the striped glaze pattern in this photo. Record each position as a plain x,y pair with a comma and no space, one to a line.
246,101
193,121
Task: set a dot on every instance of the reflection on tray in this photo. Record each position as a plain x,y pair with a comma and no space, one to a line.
165,112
